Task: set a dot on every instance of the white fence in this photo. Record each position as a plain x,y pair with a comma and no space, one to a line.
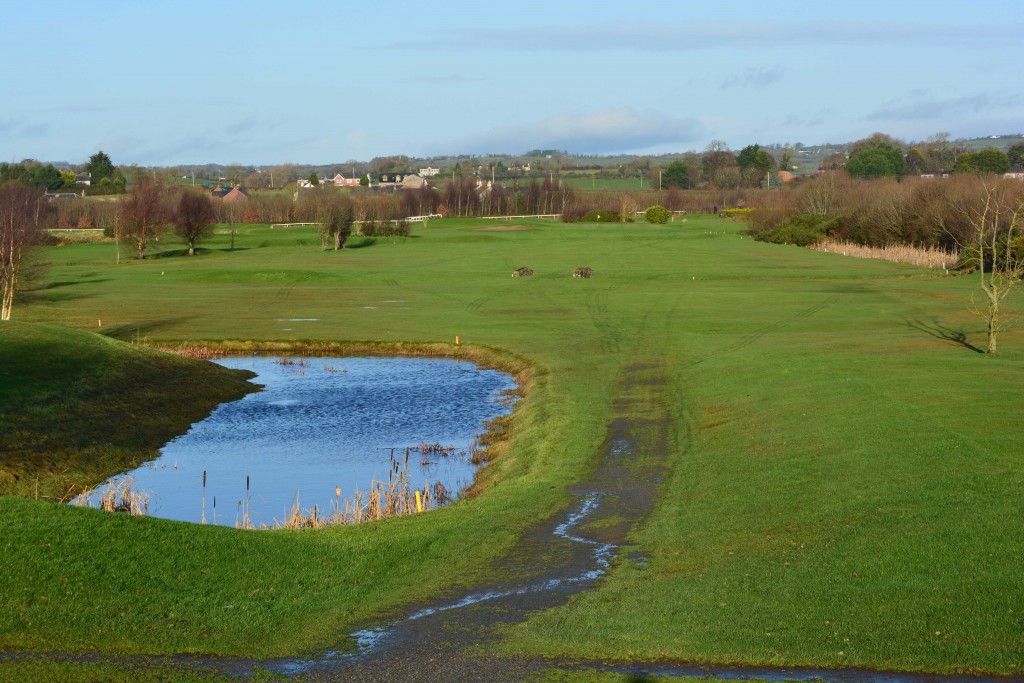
536,215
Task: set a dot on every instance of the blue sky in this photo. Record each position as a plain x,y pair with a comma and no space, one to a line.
273,82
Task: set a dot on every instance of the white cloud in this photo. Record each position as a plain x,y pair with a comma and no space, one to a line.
754,78
923,109
605,131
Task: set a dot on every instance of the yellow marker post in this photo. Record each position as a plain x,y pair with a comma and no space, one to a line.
419,502
458,340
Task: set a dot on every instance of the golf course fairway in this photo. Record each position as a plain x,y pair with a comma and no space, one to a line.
843,473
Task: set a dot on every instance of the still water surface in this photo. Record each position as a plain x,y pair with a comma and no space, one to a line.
324,423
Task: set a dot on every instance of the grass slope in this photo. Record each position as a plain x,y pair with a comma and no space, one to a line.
846,478
76,407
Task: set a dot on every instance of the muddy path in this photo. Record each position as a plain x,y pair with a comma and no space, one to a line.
551,562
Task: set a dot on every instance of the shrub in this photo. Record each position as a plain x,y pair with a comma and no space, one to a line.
398,228
997,257
657,214
602,216
988,160
800,230
738,213
573,214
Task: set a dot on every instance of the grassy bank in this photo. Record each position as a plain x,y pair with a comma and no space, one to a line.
845,469
76,407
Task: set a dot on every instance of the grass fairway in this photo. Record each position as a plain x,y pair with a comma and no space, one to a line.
846,478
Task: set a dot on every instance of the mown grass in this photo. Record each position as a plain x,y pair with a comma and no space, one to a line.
846,474
562,676
91,672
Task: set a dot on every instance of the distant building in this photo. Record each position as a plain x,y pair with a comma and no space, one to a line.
56,196
84,179
413,182
429,172
341,181
400,181
230,194
237,194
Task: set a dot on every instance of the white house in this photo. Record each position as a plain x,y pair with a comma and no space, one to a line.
429,171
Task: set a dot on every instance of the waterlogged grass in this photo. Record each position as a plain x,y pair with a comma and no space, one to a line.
845,481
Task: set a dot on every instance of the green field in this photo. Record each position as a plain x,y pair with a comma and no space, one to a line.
846,473
586,182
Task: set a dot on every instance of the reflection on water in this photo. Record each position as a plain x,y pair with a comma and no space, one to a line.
322,423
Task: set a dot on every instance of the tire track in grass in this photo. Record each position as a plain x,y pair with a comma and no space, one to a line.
749,339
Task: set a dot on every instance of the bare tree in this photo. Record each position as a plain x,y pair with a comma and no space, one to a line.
193,217
820,195
335,217
996,250
21,210
628,206
143,211
229,213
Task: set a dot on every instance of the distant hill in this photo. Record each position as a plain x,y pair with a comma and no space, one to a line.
805,159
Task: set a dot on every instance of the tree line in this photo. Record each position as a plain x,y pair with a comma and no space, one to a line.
105,177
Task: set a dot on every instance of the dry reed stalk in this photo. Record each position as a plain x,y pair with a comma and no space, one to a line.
927,257
116,496
392,498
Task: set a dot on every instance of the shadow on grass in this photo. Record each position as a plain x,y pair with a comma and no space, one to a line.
174,253
69,283
48,296
936,329
362,244
135,331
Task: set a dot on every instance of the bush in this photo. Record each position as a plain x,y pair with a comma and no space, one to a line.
800,230
657,214
602,216
737,213
573,214
1003,254
399,228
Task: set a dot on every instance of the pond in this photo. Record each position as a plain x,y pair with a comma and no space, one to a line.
321,430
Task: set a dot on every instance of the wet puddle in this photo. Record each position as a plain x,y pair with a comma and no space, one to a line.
322,429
